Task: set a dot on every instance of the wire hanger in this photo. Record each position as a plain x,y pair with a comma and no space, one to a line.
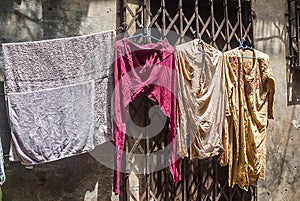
243,46
199,42
147,35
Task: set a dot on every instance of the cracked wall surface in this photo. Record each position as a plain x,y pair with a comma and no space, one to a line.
283,137
76,178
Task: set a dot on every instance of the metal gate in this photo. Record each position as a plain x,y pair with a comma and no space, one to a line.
220,23
294,34
293,57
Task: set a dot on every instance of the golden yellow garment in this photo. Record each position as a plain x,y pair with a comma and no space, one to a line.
201,101
250,89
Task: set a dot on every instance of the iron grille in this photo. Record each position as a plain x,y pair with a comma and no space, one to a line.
293,63
220,23
293,28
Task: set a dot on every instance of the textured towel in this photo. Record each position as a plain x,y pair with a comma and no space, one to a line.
58,93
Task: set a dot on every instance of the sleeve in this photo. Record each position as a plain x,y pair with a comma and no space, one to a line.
225,132
175,159
181,113
271,83
228,85
119,124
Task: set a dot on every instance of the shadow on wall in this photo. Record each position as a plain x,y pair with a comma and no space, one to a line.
74,178
63,18
276,34
35,20
20,21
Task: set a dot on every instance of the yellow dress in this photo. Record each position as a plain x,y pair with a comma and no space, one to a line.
250,88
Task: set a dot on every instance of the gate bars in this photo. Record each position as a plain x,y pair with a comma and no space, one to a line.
294,36
293,55
220,22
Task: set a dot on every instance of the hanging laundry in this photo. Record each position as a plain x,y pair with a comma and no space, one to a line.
58,98
250,93
150,70
201,101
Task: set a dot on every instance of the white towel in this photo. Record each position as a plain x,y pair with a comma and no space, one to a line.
58,94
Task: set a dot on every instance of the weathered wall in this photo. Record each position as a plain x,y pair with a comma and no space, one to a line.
283,137
76,178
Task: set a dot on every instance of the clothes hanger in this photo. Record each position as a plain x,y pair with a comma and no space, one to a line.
199,42
147,35
242,46
245,47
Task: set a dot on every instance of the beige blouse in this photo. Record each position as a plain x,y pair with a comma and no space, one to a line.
201,101
250,89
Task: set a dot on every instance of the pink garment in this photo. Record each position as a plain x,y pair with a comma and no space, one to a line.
148,69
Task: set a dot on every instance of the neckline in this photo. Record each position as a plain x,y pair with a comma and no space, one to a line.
140,55
147,47
203,47
132,50
242,60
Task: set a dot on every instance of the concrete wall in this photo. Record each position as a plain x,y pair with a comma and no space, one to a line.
76,178
283,137
84,178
